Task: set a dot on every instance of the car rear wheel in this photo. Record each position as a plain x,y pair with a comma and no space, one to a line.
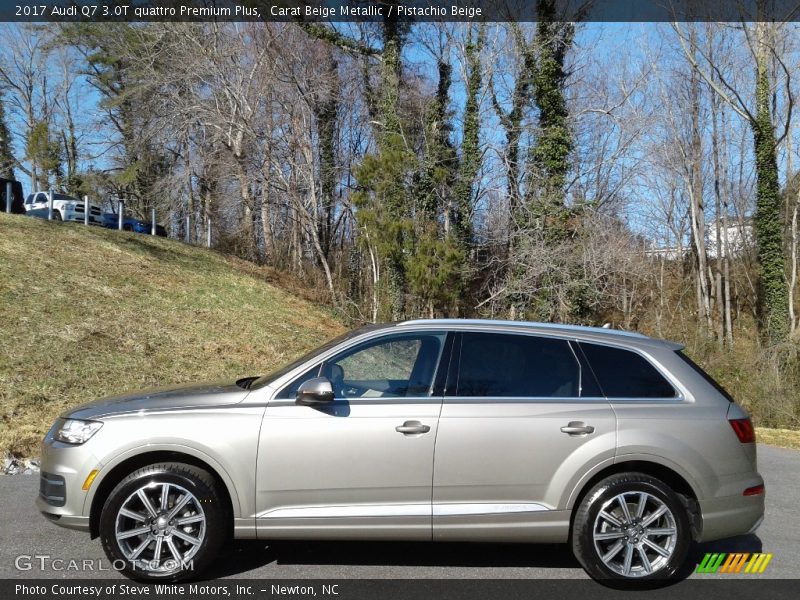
633,527
164,522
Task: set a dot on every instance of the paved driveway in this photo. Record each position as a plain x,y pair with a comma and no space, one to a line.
24,532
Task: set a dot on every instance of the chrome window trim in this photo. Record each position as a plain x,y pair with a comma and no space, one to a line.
382,401
525,400
683,395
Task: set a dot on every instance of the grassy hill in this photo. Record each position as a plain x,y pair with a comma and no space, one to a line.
87,312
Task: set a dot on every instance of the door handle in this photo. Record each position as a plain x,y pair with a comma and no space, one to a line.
412,427
577,428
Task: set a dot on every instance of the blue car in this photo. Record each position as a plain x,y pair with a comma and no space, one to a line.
111,220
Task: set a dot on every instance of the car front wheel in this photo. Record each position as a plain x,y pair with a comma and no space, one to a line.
633,527
164,522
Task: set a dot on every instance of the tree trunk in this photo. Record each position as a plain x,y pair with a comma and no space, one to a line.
720,251
326,114
774,290
696,195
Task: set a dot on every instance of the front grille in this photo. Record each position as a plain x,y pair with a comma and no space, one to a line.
94,211
52,489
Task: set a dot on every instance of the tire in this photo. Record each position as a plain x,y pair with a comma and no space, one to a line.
602,544
163,550
56,216
127,227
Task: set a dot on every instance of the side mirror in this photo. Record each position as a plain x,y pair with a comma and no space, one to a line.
315,391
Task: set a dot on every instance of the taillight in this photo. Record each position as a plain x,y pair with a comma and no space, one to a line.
744,430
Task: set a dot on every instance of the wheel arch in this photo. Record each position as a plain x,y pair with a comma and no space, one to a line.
128,465
680,484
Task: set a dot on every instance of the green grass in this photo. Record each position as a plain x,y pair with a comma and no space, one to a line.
785,438
87,312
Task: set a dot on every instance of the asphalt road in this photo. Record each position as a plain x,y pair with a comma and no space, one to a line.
23,532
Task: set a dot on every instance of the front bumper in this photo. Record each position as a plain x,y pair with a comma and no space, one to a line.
64,468
74,217
78,523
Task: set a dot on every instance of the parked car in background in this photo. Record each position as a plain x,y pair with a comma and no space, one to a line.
17,197
436,430
111,220
65,208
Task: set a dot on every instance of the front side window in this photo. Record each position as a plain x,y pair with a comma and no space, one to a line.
396,366
626,374
511,366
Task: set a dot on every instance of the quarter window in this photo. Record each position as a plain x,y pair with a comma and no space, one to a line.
508,365
625,374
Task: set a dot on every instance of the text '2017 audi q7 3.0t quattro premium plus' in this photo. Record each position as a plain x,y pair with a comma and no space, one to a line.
437,430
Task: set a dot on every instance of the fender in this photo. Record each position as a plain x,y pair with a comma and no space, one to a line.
183,448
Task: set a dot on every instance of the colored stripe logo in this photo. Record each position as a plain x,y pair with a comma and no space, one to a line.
737,562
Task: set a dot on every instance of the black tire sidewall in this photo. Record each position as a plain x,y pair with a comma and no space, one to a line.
196,481
583,542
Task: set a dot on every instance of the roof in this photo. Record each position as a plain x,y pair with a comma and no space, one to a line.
596,333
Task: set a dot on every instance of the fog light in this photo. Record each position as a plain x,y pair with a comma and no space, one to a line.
87,484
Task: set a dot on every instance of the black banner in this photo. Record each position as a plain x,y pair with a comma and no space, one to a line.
390,589
400,10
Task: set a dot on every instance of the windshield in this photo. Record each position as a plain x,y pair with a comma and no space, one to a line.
269,378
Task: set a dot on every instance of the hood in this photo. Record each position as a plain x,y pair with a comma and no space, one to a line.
186,396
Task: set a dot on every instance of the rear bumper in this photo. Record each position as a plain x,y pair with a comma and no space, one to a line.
730,516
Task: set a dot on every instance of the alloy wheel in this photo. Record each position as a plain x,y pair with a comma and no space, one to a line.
635,534
160,527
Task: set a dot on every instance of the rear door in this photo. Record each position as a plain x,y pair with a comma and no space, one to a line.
522,421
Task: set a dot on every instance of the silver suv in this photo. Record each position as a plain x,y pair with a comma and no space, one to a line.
436,430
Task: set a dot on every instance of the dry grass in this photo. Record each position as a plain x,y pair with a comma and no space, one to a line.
785,438
88,312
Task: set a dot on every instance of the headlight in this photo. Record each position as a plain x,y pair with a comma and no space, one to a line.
74,431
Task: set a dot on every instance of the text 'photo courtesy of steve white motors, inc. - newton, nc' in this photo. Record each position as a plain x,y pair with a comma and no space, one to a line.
191,590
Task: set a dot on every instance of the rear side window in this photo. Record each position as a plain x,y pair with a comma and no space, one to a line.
699,370
508,366
625,374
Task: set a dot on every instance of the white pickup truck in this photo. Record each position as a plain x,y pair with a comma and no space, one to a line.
65,208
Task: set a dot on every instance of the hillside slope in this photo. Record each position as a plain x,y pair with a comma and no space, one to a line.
87,312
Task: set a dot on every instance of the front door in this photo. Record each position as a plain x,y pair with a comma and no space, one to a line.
362,465
522,421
